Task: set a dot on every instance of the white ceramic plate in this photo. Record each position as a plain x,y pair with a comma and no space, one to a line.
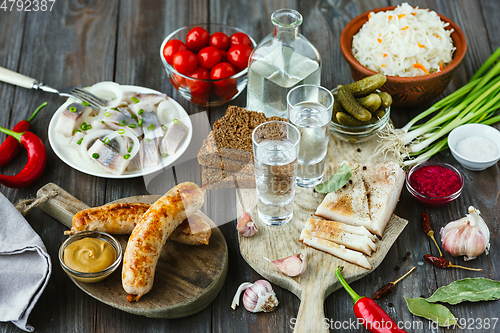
60,144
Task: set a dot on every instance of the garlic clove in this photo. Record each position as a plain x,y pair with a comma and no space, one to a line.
246,227
468,236
292,265
258,297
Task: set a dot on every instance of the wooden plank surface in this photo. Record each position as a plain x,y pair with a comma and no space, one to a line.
80,43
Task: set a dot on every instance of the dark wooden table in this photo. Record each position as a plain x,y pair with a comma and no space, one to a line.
83,42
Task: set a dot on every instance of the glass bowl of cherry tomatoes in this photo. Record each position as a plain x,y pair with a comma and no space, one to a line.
207,63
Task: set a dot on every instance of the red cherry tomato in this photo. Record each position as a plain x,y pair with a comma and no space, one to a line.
208,57
240,38
185,62
178,81
221,71
219,40
238,56
223,56
228,92
196,39
199,86
172,47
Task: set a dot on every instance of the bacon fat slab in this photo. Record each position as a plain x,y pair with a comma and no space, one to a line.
121,219
150,234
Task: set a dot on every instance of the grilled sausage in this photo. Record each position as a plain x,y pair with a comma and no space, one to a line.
120,218
151,233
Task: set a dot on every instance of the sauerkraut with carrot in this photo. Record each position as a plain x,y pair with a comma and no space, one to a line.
404,42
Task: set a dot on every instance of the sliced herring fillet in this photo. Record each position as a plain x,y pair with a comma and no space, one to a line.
107,158
329,232
384,183
348,205
338,251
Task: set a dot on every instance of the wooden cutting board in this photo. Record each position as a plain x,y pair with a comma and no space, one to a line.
187,278
318,281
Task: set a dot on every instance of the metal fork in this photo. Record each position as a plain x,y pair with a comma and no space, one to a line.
24,81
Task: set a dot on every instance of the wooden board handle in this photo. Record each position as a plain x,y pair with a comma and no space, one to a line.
310,318
63,206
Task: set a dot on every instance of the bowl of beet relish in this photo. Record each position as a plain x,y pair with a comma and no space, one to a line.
434,184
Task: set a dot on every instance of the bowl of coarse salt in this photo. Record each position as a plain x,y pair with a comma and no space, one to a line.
475,146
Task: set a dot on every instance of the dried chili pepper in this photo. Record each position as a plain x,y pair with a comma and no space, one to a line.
388,288
368,311
37,158
11,147
445,263
425,224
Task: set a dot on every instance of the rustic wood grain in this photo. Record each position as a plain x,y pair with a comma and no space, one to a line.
83,42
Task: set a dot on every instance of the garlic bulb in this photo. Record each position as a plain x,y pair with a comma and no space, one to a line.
468,236
246,226
293,265
258,297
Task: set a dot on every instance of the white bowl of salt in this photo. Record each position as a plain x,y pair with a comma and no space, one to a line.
475,146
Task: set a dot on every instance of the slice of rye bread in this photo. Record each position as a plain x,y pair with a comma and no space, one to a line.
215,178
233,132
209,156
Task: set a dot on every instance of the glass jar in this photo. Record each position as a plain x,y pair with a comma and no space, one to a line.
281,61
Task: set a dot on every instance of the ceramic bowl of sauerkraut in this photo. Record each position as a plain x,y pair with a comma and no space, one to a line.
416,48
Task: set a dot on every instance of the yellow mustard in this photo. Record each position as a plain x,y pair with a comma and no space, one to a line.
89,255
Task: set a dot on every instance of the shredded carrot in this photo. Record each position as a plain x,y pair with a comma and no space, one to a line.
379,40
420,45
441,65
413,14
390,17
369,15
420,66
401,15
382,65
405,28
384,55
436,35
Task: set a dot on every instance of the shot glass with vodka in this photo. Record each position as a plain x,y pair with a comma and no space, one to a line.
276,151
310,110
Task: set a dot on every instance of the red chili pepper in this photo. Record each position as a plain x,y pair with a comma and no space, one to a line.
388,288
37,158
425,224
369,313
11,147
445,263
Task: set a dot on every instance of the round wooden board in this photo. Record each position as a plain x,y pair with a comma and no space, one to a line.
187,278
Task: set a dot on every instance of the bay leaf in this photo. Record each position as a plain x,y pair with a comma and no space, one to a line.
435,312
339,179
469,289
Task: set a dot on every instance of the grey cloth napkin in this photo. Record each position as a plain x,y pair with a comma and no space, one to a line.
25,266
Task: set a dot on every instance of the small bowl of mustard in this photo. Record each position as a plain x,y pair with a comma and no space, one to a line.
90,256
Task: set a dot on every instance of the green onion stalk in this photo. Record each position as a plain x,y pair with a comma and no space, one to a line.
476,102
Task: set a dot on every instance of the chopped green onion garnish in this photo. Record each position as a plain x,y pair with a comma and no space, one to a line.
85,103
95,155
116,109
73,109
123,122
88,127
122,131
163,127
107,114
102,121
83,126
139,122
106,140
134,116
176,121
151,127
130,149
135,100
147,139
132,125
164,155
126,156
141,111
76,131
80,141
